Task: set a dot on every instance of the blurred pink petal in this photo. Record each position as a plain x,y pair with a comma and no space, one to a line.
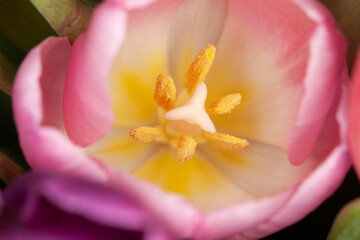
38,112
354,116
53,206
327,52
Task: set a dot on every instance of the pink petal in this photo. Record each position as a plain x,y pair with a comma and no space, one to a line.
87,107
178,216
229,221
328,175
323,74
262,57
131,4
195,25
37,102
139,61
354,116
308,195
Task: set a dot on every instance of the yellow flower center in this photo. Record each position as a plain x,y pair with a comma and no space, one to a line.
185,121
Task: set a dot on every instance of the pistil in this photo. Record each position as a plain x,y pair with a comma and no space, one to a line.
193,111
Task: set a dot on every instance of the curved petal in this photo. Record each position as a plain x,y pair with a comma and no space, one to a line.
55,206
196,24
139,61
77,196
86,104
260,170
263,58
131,4
274,65
228,221
178,216
322,78
302,203
37,107
354,116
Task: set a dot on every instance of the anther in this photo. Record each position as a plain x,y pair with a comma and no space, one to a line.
165,92
224,104
185,149
225,141
145,134
199,68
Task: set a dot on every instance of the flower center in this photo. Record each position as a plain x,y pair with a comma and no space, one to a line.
189,123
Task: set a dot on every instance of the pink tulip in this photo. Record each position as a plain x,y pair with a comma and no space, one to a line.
75,106
354,116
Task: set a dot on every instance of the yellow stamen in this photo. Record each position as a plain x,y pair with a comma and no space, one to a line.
145,134
165,92
185,149
199,68
225,141
224,104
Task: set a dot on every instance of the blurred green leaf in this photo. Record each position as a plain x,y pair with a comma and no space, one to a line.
21,23
347,223
21,28
67,17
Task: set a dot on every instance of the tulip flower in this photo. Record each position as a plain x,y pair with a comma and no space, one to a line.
52,206
222,118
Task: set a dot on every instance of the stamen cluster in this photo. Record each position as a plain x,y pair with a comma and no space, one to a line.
191,120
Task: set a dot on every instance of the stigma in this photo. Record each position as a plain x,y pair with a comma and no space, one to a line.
181,124
194,111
